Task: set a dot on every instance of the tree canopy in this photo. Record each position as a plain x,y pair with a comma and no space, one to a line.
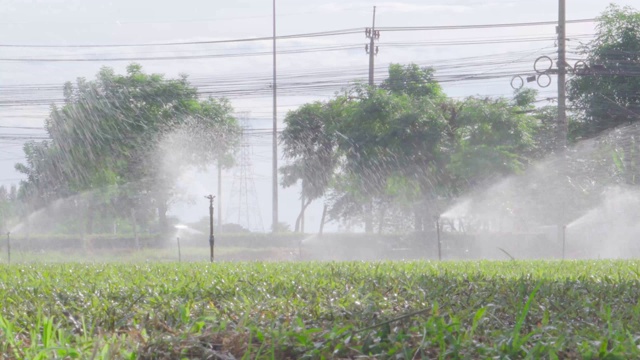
606,91
403,147
122,140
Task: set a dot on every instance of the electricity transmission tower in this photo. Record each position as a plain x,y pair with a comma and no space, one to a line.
243,200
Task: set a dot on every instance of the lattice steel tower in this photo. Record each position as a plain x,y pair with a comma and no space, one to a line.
243,206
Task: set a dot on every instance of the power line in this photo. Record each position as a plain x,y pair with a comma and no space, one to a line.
346,72
291,51
338,32
480,26
282,37
179,57
181,21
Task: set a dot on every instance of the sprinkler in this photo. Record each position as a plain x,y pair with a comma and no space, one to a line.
179,254
211,238
437,220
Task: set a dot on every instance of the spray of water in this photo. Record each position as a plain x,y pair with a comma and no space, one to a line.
587,194
590,187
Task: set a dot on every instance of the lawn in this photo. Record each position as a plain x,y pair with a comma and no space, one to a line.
394,310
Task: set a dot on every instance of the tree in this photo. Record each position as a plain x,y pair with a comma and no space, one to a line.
404,149
394,143
309,139
45,178
493,140
606,92
123,139
355,144
412,80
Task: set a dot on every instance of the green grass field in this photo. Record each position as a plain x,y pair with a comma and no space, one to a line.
393,310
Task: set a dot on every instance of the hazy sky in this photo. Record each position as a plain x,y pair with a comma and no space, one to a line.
73,22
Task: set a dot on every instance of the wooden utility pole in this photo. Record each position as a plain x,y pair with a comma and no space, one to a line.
274,169
562,74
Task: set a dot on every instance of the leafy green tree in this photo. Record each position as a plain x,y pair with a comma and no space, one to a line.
404,149
492,141
45,180
394,144
8,207
607,92
356,144
310,140
116,140
412,80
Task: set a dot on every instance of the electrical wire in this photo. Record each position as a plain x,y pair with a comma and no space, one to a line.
183,43
338,32
479,26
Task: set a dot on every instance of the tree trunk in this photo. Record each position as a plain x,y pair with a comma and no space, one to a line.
300,219
324,215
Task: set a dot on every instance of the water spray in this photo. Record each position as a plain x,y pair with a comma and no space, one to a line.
179,254
437,220
211,238
9,247
563,230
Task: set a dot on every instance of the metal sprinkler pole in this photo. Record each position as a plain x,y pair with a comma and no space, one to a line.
211,238
179,254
